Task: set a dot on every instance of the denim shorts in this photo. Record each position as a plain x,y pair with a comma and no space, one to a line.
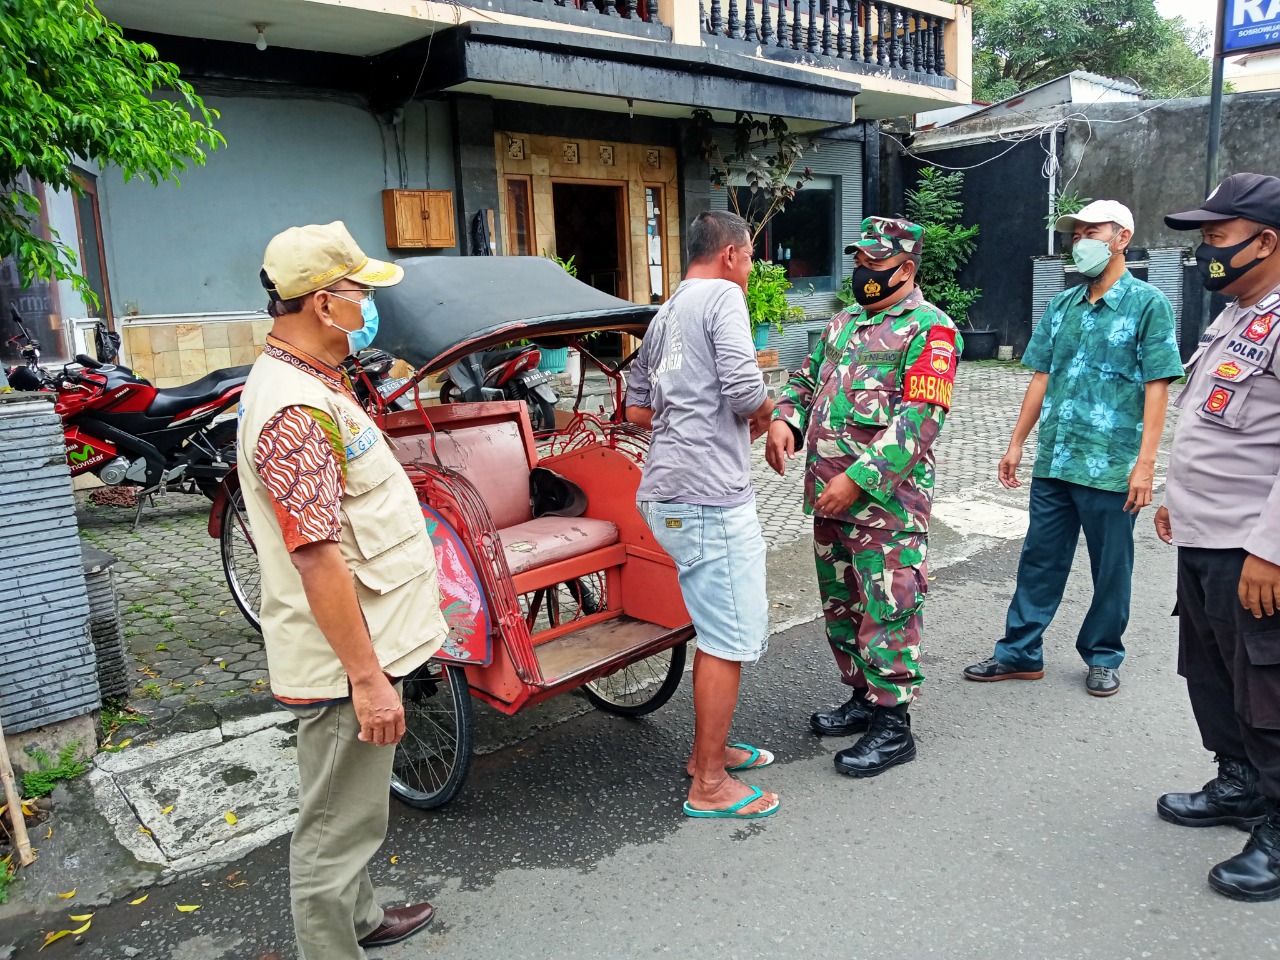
720,558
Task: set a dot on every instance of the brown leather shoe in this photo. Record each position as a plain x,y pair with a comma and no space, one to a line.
400,923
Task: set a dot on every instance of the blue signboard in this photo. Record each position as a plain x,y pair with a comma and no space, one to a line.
1251,25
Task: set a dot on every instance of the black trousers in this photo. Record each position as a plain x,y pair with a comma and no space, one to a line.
1231,662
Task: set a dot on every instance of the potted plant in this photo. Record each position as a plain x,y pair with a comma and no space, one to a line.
935,204
555,360
767,302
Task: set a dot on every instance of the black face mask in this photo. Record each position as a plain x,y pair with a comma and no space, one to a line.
871,286
1214,263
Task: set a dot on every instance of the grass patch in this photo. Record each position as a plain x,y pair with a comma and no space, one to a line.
152,691
40,782
136,608
116,713
7,876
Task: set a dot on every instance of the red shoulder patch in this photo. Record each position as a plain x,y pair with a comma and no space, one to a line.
931,377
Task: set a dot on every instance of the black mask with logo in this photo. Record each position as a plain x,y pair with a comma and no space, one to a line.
871,286
1214,263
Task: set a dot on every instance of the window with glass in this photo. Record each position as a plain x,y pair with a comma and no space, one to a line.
656,229
802,238
520,238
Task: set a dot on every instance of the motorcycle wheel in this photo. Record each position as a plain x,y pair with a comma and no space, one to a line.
240,559
222,437
542,415
448,392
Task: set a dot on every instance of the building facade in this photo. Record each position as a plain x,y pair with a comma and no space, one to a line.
504,127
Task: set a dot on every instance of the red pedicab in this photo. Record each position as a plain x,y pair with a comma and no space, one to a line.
537,606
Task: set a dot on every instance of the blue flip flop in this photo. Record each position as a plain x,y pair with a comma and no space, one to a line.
731,812
750,763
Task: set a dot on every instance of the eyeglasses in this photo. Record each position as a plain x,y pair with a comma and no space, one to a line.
366,293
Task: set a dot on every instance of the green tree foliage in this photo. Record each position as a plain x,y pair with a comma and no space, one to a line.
948,244
1021,43
72,88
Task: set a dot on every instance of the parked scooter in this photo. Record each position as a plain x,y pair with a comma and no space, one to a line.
120,428
510,373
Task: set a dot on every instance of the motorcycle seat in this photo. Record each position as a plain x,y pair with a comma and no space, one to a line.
172,401
493,358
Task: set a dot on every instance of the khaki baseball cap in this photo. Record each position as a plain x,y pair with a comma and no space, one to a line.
302,260
1100,211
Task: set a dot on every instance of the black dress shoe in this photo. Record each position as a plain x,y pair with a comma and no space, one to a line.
852,717
1254,873
400,923
1230,798
888,743
988,671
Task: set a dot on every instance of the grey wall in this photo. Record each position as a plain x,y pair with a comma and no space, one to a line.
197,247
1156,163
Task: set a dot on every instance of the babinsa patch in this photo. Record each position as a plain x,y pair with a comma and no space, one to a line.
931,378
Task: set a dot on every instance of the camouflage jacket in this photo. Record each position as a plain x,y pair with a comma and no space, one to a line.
869,402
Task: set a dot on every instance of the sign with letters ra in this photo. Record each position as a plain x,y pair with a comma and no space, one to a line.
1250,25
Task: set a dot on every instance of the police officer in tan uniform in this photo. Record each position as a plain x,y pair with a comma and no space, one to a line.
1222,510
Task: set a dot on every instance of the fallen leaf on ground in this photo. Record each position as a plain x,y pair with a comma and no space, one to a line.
395,859
50,937
167,810
125,743
198,683
68,895
222,665
48,833
27,809
231,818
188,907
79,930
82,917
134,903
232,876
235,886
144,830
222,613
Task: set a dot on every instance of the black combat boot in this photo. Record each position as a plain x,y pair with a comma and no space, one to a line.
852,717
1254,873
887,743
1231,798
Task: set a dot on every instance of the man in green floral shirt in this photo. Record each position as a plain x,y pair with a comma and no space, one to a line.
869,405
1104,354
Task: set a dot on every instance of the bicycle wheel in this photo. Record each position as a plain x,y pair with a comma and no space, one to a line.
240,559
433,757
641,687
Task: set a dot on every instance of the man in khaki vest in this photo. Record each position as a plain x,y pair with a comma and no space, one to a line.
350,602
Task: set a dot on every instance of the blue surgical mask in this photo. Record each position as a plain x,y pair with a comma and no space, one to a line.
362,338
1091,256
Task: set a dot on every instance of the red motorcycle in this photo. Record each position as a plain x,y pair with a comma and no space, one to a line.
123,430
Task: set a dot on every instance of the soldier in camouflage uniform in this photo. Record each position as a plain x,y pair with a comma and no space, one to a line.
869,404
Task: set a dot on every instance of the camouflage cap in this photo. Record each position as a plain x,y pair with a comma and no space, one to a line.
884,237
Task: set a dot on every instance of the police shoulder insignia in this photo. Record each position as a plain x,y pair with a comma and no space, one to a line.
1218,400
1259,327
1229,370
1269,301
931,378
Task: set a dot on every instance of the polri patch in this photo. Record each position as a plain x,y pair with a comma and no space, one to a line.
1259,328
1218,400
931,378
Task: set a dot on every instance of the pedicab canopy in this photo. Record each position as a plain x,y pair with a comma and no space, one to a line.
448,307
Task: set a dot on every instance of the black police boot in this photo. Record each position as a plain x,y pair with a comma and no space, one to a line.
887,743
1231,798
852,717
1254,873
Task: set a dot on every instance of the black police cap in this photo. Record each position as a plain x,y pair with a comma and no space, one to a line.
1248,196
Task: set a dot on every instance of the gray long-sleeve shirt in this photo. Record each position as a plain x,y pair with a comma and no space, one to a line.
1224,475
697,371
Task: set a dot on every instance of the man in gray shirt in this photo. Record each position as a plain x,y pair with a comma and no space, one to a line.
697,385
1222,509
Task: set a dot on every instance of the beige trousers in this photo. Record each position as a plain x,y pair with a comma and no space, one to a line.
342,820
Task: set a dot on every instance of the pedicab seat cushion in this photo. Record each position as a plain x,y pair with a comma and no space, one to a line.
546,540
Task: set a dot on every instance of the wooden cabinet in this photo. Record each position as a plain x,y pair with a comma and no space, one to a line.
419,218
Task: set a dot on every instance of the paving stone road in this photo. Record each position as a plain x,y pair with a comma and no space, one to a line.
192,646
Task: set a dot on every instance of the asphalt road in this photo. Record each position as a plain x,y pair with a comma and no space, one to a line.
1026,828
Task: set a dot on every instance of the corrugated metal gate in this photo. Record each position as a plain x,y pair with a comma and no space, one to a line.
1048,279
47,662
1164,272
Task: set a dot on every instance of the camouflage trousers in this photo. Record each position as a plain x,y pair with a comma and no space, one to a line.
873,583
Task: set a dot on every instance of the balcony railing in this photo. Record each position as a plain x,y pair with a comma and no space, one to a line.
866,32
643,10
